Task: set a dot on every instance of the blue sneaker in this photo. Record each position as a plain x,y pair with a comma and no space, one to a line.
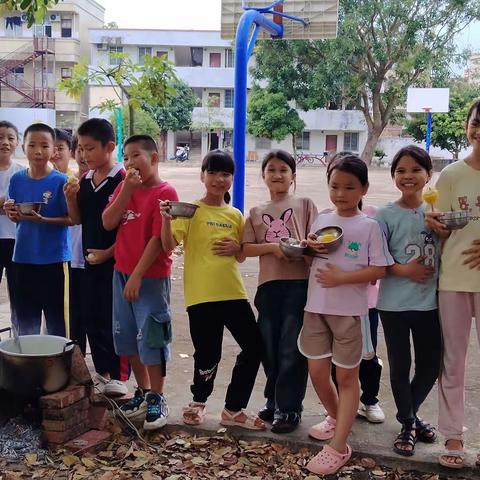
136,407
157,411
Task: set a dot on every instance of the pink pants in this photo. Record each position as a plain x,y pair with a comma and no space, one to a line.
456,312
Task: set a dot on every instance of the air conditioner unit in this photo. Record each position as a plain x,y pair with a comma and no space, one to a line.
24,17
54,17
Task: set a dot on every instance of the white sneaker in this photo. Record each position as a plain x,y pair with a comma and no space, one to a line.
373,413
115,388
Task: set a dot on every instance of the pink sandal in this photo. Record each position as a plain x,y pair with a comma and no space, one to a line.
328,461
194,413
323,430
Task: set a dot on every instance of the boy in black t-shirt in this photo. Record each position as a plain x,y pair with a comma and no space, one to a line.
86,201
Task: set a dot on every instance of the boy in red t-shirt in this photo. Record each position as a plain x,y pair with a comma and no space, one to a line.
141,282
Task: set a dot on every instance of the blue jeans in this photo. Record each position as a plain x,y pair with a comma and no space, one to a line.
280,306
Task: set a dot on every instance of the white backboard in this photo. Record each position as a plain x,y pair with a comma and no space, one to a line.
321,17
434,100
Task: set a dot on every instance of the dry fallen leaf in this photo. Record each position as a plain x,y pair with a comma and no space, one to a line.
31,458
70,460
368,462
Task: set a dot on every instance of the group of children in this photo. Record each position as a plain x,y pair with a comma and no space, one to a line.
317,315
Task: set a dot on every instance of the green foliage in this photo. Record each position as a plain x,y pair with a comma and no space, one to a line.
176,113
448,129
383,47
34,9
270,115
144,123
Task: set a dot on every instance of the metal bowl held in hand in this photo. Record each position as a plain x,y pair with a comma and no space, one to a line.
330,237
182,209
455,220
43,366
292,248
29,208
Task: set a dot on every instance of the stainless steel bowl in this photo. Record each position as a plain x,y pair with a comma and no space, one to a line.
292,248
182,209
455,220
28,208
334,230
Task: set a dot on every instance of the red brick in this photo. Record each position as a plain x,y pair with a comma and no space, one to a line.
99,400
79,373
97,417
58,438
66,424
64,398
91,441
66,413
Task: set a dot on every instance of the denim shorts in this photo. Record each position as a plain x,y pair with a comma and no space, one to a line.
143,326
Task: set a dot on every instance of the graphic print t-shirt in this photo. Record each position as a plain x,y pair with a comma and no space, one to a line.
291,217
209,277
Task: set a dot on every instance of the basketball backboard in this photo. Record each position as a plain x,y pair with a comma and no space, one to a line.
321,17
434,100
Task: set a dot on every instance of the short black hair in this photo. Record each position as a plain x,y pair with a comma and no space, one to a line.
63,136
39,127
418,154
146,142
7,124
281,155
99,129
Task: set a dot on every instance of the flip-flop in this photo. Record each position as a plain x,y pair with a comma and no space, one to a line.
328,461
194,413
324,430
252,421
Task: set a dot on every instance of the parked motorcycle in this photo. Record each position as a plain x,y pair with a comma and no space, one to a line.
181,154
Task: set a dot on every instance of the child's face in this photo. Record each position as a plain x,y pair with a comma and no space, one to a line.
217,183
409,176
345,191
134,156
8,142
278,176
95,154
473,130
82,164
39,148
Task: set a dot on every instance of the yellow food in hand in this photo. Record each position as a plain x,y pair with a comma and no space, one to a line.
327,238
431,196
72,179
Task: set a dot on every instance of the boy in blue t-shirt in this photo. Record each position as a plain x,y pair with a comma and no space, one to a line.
41,249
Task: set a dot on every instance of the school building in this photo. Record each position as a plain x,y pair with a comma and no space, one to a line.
206,63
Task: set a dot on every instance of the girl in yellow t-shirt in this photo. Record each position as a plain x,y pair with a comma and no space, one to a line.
459,287
215,296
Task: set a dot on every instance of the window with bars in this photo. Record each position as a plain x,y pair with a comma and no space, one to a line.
114,60
66,72
161,53
142,51
263,143
350,141
302,141
66,27
229,98
229,58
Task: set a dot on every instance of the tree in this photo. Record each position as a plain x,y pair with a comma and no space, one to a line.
150,83
448,130
34,9
382,48
144,123
270,116
176,113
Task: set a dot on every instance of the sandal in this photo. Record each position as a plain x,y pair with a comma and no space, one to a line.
251,422
324,430
425,432
194,413
456,454
328,461
405,438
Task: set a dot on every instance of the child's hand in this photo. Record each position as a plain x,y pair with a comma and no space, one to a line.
330,277
131,292
314,244
133,180
11,210
70,191
226,247
416,271
432,222
32,217
164,206
277,251
96,256
473,259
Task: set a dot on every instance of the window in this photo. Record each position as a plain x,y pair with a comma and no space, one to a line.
263,143
229,62
197,56
113,60
229,98
214,100
302,141
142,51
13,26
215,60
66,72
228,139
18,76
350,141
161,54
66,27
42,30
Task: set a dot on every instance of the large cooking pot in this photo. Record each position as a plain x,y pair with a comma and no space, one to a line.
35,364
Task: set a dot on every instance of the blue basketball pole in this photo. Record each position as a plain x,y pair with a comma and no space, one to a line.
244,43
119,134
429,131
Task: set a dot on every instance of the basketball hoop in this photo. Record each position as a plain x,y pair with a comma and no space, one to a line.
427,109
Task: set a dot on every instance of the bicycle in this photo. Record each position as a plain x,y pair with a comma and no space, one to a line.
303,158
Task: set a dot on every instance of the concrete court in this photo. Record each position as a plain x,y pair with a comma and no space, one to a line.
366,439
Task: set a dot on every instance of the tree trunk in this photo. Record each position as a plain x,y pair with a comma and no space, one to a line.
294,148
372,140
131,120
163,146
